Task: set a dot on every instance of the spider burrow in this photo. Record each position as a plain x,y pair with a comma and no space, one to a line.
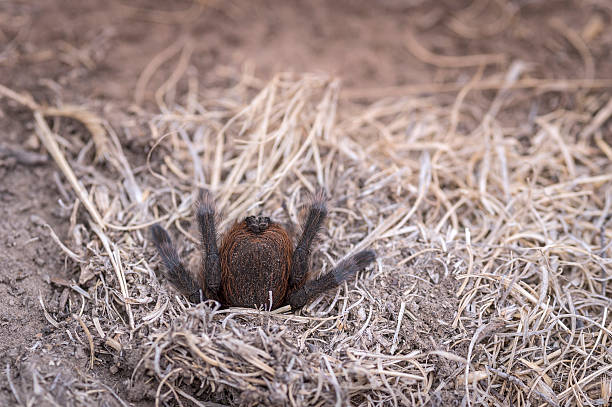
256,264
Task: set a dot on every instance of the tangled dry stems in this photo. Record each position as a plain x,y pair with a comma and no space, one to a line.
493,244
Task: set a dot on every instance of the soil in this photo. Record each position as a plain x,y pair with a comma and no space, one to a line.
65,52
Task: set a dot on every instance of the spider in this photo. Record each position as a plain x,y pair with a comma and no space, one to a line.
256,264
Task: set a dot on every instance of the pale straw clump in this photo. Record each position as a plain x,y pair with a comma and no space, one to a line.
493,246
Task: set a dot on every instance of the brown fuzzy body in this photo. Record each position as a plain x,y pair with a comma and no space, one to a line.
255,264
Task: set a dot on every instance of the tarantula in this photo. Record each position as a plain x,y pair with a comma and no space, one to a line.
256,264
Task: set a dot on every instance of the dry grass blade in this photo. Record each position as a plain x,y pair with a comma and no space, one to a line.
47,138
89,120
445,61
568,84
65,249
89,340
92,122
46,313
10,382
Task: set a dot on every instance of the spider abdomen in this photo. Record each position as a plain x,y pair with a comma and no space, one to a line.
255,261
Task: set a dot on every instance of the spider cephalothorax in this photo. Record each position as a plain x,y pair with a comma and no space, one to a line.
256,264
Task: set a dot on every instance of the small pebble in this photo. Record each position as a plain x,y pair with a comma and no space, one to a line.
32,143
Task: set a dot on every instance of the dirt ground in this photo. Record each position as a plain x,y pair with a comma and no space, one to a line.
66,52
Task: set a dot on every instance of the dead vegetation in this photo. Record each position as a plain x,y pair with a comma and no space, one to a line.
493,239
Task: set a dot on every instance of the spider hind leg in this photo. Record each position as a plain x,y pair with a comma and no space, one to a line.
211,266
176,272
346,269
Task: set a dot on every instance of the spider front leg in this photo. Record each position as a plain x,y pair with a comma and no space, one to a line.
211,266
178,275
312,224
344,270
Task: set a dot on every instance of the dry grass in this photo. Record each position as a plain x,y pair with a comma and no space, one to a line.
493,244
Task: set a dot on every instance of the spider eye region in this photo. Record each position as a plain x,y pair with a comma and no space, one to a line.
257,224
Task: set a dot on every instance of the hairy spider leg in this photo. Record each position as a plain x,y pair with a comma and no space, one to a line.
312,224
346,269
176,271
211,266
